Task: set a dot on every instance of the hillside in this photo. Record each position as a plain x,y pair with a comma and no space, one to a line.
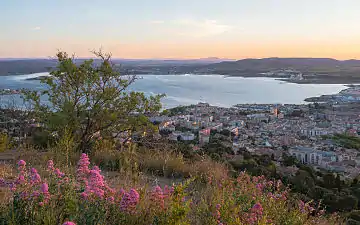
324,70
144,66
315,70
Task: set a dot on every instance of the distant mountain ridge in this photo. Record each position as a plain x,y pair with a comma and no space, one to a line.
314,69
302,64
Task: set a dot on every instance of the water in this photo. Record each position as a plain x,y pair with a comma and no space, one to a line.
214,89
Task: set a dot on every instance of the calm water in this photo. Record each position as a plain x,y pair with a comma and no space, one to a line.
214,89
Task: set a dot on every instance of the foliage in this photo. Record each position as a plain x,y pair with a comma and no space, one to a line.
175,111
91,100
4,142
335,194
347,141
85,197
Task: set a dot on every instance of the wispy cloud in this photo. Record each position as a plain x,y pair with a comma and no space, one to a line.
195,28
157,22
202,28
36,28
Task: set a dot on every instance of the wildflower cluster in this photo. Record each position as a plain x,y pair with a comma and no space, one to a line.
86,198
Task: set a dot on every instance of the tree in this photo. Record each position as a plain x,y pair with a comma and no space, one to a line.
91,99
347,203
225,133
4,142
303,182
289,160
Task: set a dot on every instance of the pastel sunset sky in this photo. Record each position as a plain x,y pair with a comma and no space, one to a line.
181,28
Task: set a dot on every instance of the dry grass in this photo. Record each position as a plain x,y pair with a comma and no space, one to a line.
7,171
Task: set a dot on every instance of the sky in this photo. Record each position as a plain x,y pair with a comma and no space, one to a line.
233,29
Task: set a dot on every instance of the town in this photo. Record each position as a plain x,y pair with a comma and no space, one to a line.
323,136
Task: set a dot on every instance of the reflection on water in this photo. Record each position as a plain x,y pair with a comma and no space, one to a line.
214,89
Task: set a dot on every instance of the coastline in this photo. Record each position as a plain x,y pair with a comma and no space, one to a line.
306,80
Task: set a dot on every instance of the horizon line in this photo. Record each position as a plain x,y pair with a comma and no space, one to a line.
180,59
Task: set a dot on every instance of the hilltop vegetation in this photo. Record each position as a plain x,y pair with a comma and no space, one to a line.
85,197
111,169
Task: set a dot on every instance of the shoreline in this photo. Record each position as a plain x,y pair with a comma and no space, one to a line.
313,80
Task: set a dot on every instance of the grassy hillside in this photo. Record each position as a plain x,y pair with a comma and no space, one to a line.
138,186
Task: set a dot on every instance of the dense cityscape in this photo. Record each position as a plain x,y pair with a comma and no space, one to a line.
306,132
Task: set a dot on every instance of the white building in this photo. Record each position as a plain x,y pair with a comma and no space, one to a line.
313,132
159,119
204,136
258,117
311,156
175,135
187,136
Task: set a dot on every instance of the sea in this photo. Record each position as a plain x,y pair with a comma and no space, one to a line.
190,89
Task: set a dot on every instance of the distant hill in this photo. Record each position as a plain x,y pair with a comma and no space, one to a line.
324,70
10,66
314,65
25,66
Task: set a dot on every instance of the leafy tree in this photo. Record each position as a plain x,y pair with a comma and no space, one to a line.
91,99
289,160
329,180
4,142
303,182
347,203
225,132
354,216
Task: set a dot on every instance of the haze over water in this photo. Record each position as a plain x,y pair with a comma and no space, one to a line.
214,89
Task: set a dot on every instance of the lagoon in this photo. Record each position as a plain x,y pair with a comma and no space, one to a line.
190,89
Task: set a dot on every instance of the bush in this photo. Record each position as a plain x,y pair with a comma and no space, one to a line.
4,142
85,197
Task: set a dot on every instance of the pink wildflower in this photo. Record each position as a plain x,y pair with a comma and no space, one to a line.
321,212
20,179
129,201
259,186
50,165
83,168
35,194
110,199
257,208
35,177
58,173
96,183
21,163
218,206
217,213
121,192
84,195
302,206
44,188
45,191
69,223
168,191
41,204
21,166
256,214
12,187
157,196
24,195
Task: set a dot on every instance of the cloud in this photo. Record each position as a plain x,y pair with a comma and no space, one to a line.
36,28
194,28
157,22
202,28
